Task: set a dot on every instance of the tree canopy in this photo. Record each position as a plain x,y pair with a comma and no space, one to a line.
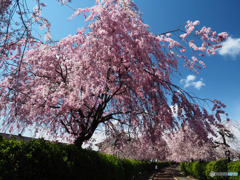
114,69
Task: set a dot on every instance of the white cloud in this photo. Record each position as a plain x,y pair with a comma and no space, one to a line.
198,84
230,47
190,81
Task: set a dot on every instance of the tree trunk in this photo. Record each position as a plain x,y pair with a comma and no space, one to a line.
79,142
86,135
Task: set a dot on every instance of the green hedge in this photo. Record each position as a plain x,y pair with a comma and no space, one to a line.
209,169
183,167
234,167
43,160
199,169
202,170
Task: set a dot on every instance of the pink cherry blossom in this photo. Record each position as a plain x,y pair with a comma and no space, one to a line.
114,73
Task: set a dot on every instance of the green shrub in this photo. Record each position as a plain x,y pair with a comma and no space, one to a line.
220,166
234,167
183,167
209,169
128,168
202,170
189,167
1,138
216,166
10,151
199,169
44,160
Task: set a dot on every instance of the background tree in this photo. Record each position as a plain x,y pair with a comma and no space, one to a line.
187,146
137,148
117,71
227,142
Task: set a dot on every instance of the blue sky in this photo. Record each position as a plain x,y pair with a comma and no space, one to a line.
220,80
222,75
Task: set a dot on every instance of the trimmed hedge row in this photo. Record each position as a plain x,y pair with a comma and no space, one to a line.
43,160
202,170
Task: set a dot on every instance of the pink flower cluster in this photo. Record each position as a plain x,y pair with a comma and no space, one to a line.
107,74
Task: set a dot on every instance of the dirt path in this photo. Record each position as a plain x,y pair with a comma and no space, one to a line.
165,174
